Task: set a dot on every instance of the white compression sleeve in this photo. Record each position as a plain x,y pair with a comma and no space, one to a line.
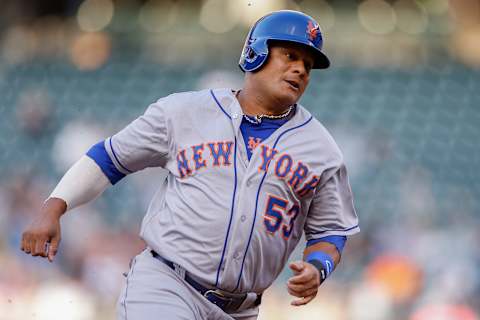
82,183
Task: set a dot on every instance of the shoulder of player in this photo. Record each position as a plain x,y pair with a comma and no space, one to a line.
177,102
319,138
196,105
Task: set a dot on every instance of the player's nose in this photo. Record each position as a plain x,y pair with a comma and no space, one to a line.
298,68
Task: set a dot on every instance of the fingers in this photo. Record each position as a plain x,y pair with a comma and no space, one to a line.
302,278
304,284
302,287
306,294
41,247
297,266
44,230
303,292
27,243
36,245
53,248
308,274
303,301
23,245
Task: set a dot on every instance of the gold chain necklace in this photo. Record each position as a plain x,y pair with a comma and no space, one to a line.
257,119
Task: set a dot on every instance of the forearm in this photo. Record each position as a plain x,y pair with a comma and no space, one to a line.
82,183
326,247
55,207
324,254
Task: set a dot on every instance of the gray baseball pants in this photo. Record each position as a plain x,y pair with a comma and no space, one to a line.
153,291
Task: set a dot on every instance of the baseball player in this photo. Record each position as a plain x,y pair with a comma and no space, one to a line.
249,171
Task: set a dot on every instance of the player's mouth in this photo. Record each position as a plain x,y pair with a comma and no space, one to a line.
293,84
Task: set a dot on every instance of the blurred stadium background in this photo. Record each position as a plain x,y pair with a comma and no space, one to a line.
402,100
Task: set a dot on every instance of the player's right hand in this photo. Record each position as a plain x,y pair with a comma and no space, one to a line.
42,237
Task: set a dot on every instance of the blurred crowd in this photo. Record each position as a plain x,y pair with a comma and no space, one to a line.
72,74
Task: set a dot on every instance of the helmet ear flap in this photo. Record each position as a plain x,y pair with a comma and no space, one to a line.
250,54
254,54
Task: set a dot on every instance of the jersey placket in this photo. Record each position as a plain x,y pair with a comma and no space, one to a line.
242,214
241,163
248,187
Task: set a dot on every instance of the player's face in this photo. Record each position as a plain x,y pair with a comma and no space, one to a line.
286,74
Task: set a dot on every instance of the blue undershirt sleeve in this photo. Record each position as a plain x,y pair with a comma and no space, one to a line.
102,159
337,241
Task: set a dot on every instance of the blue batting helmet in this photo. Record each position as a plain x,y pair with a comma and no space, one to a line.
284,25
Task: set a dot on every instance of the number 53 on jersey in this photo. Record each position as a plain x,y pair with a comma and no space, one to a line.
278,218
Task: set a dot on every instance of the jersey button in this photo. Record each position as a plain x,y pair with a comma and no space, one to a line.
236,256
235,115
249,183
243,218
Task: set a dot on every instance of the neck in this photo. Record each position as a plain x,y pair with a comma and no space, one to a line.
255,104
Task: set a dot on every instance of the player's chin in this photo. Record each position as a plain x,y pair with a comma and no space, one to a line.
293,91
290,96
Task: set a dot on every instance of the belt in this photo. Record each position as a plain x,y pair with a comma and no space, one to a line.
226,302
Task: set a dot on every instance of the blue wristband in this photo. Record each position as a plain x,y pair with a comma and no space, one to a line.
322,261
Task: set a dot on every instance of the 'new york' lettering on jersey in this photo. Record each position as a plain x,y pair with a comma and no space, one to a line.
230,221
295,174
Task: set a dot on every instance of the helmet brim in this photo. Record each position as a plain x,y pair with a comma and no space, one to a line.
321,60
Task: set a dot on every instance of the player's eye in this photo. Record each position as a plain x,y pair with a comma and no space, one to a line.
291,56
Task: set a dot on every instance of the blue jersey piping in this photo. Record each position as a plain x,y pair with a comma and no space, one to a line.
234,191
219,105
256,200
231,211
113,151
323,231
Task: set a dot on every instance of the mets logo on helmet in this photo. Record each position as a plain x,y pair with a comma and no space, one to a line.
313,30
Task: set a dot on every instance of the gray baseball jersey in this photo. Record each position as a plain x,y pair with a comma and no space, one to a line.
228,221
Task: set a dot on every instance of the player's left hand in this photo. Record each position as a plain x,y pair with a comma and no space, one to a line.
304,283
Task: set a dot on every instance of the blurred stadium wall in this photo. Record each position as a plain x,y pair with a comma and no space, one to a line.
402,99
